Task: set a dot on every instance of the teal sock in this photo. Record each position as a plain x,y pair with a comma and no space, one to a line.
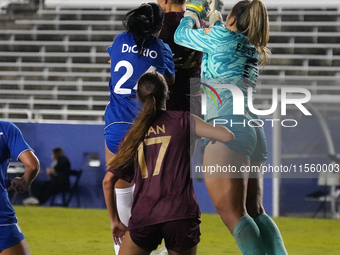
271,236
247,236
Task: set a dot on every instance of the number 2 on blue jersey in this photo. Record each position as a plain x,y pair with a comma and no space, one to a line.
127,75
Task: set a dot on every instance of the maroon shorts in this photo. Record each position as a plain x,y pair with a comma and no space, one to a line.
179,235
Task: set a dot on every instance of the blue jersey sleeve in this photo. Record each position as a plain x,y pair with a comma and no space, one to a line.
168,61
15,141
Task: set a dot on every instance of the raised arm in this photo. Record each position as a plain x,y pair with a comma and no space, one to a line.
218,133
189,37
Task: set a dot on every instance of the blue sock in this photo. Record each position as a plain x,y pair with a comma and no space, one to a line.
247,236
271,236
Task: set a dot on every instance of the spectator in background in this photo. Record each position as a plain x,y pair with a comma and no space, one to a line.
13,145
58,175
182,97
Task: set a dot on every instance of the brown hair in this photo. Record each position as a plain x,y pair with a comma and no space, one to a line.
252,20
178,1
152,92
58,152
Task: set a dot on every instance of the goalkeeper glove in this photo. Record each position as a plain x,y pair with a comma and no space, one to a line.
200,7
214,17
194,16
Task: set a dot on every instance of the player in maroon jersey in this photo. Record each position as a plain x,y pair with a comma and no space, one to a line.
156,155
182,97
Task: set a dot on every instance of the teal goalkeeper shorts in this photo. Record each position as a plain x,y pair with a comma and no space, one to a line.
250,139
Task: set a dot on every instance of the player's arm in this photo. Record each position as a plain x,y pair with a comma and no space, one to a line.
117,227
189,37
32,167
217,133
215,16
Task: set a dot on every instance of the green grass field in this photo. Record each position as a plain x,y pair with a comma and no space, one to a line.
69,231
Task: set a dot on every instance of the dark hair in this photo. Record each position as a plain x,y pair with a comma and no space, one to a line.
252,20
58,152
178,1
143,22
152,92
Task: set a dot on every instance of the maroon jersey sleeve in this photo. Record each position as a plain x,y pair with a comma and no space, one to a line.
126,174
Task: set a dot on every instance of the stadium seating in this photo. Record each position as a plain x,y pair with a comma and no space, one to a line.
54,64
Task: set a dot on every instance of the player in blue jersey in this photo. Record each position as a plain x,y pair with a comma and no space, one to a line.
231,56
13,145
133,53
156,155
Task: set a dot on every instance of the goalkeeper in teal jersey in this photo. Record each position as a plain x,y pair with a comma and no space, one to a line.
232,53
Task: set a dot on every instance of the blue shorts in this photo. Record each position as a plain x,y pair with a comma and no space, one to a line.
10,235
249,142
114,135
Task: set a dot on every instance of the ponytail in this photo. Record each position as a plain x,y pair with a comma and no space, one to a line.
127,150
258,30
143,22
152,92
252,20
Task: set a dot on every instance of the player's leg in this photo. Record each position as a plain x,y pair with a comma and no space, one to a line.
182,236
124,196
108,156
12,241
255,193
270,233
140,241
20,248
229,198
128,247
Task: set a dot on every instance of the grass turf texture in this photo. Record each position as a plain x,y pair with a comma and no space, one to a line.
69,231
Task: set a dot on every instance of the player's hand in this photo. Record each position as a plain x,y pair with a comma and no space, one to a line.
19,184
118,231
214,17
200,7
190,62
217,6
177,61
194,16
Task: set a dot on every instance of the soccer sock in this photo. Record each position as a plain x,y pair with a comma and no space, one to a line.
247,236
271,236
124,198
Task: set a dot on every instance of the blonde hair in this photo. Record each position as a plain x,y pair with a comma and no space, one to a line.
152,92
252,20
